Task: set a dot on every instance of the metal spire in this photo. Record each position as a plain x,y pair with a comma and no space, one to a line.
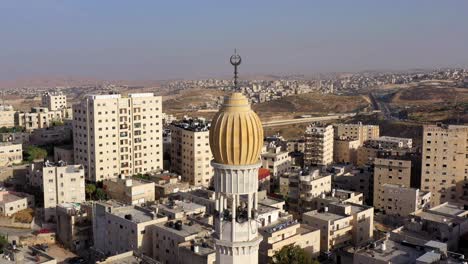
235,61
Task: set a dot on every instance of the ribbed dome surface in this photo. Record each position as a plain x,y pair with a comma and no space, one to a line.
236,133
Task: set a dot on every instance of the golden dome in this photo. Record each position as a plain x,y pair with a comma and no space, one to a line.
236,133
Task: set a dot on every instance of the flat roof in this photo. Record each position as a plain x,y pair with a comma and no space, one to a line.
181,206
326,216
186,230
450,209
139,215
394,253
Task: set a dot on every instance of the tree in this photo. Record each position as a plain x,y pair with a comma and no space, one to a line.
100,194
292,254
90,189
33,153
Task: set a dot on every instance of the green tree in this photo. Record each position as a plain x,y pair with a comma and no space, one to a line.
34,153
100,194
90,189
292,254
3,243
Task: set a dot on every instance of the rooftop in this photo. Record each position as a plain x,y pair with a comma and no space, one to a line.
393,253
450,209
135,214
326,216
191,124
180,206
25,255
183,229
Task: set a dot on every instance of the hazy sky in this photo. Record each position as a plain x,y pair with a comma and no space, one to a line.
152,39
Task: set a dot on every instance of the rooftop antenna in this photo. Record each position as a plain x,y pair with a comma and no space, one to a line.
235,61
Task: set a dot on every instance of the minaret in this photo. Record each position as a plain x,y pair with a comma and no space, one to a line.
236,139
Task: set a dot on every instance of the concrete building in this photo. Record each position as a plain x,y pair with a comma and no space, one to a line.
318,145
190,151
59,182
275,160
74,226
15,137
295,146
55,135
12,202
166,184
342,224
118,229
345,150
402,201
26,254
203,197
337,196
389,251
114,135
356,180
305,187
54,100
180,210
7,116
445,163
10,154
236,140
385,142
39,117
446,223
183,242
129,257
389,171
357,131
130,191
64,153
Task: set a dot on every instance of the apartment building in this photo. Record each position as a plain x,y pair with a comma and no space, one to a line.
345,150
129,191
166,184
12,202
60,183
318,145
445,163
74,225
357,131
10,153
118,228
342,224
183,242
304,187
295,146
392,170
386,142
275,160
39,117
402,201
371,150
357,180
15,137
64,153
7,116
54,135
54,100
190,151
115,135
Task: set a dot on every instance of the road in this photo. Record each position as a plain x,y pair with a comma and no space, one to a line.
305,120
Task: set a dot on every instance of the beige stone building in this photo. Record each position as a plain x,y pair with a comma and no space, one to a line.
15,137
39,117
180,210
275,160
386,142
74,225
304,187
10,154
190,151
402,201
345,150
53,135
166,184
115,135
356,131
356,180
295,146
7,116
12,202
130,191
318,145
118,228
59,182
444,170
389,171
342,224
54,100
